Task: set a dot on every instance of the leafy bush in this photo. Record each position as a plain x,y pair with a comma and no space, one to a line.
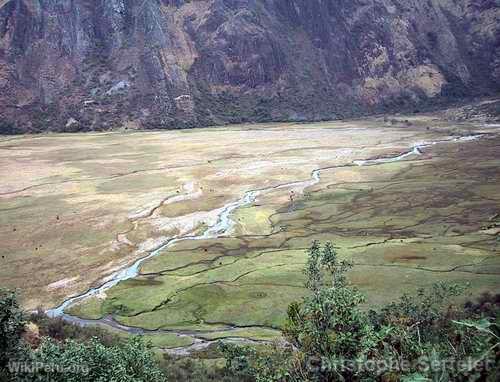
89,361
12,321
271,365
59,359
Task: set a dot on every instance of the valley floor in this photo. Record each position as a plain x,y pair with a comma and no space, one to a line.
224,215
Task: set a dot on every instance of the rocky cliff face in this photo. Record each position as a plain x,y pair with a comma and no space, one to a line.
70,65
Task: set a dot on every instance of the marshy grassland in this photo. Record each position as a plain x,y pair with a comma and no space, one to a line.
75,209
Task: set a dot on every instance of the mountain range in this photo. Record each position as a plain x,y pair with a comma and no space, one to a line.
79,65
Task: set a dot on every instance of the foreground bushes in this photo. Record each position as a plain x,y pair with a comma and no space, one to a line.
91,361
11,328
57,359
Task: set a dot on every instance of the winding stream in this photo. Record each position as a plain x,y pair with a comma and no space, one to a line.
223,226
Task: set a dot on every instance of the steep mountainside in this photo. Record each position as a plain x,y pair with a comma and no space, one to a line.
72,65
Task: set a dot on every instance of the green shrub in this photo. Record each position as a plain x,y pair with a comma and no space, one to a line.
66,360
91,361
12,322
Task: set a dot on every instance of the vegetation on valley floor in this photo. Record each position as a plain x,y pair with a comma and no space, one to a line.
383,218
80,207
329,337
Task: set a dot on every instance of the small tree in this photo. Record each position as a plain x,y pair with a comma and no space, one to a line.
12,322
328,324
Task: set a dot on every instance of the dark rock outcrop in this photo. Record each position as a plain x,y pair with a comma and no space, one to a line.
70,65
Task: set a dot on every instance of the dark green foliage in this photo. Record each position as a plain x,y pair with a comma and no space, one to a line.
95,357
91,361
245,363
312,270
424,326
239,360
329,322
12,321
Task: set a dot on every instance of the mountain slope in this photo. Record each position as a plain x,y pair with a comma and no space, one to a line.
97,64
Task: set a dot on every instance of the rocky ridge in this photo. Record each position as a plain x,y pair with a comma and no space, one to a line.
101,64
